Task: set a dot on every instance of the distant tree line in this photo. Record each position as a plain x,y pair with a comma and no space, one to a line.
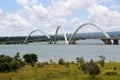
22,38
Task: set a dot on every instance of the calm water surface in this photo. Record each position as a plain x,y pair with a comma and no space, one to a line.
89,49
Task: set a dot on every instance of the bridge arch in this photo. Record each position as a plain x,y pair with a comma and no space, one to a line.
25,41
73,35
65,37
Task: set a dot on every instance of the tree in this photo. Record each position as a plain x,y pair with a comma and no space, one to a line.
30,58
5,61
8,63
61,61
17,57
51,61
80,60
90,67
5,58
102,61
84,68
15,65
67,64
5,67
77,60
93,69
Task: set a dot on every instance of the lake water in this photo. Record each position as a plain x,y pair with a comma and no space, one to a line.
89,49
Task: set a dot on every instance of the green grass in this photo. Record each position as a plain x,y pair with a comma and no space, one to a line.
60,72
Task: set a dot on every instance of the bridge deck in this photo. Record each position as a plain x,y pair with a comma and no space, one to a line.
62,38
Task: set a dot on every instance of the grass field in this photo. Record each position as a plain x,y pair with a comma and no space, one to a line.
60,72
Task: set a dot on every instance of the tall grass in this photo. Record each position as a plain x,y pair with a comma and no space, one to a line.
60,72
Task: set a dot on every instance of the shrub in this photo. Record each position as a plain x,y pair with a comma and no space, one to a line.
45,63
15,65
8,63
5,67
102,61
17,57
80,60
84,68
61,61
40,64
77,60
5,58
111,72
67,64
114,68
72,62
90,67
93,68
5,61
30,58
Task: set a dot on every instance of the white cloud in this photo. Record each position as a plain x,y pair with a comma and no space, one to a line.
37,15
23,2
105,1
61,12
105,17
27,2
78,4
66,7
1,12
117,6
13,23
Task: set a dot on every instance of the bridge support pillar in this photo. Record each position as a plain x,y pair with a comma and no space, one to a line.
115,41
50,42
73,41
107,41
26,42
54,41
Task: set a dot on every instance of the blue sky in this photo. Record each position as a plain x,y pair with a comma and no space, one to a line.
9,5
20,17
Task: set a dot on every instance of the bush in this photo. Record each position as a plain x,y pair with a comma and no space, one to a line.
5,58
72,62
61,61
15,65
67,64
8,63
102,61
90,67
93,68
30,58
114,68
80,60
5,61
5,67
45,63
84,68
111,72
40,64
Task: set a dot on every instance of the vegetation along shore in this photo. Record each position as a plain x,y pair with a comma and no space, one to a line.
28,68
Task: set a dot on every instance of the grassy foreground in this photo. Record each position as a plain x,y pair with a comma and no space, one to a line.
60,72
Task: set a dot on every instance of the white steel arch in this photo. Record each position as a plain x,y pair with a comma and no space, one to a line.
105,34
33,32
65,37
